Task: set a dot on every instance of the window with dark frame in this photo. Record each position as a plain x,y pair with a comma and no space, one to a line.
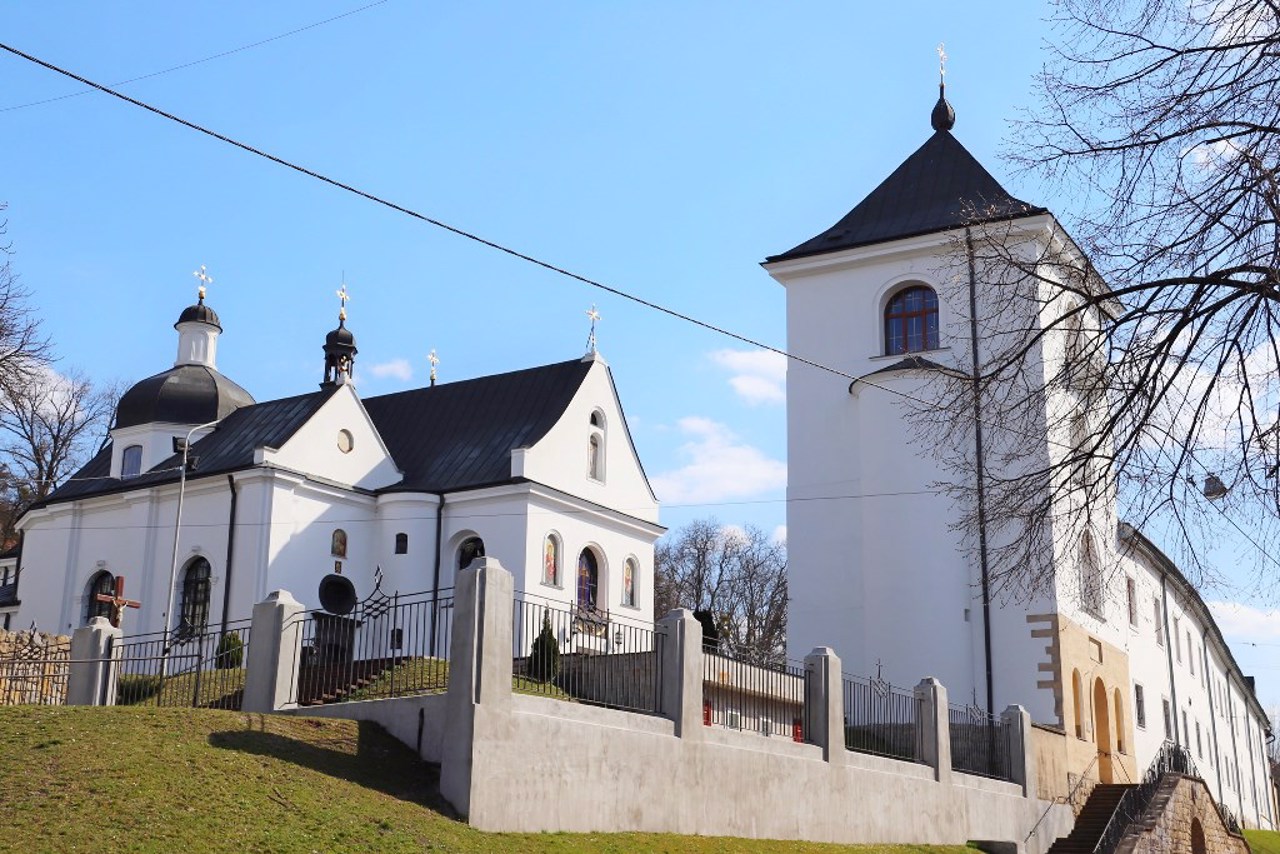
588,579
1131,588
195,596
131,462
1168,725
402,544
1139,707
103,583
911,321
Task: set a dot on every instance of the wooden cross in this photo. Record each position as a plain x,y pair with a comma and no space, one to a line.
117,602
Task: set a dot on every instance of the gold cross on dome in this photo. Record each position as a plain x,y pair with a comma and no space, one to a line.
942,61
434,360
593,316
343,297
205,279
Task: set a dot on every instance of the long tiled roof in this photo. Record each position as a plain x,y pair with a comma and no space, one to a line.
461,435
446,437
939,187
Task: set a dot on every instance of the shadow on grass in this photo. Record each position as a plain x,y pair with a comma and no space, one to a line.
375,761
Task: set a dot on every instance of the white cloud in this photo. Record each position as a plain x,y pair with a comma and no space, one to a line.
1242,623
759,376
398,368
718,467
780,534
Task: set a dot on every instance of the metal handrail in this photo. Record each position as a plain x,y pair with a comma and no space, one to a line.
1172,758
1068,799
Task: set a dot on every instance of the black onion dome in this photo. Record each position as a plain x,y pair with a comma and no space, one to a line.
199,313
186,394
340,337
943,116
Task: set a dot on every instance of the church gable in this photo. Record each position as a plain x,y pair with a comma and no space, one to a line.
589,452
338,443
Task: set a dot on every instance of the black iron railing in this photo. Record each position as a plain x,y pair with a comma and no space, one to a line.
978,743
1172,759
585,655
388,646
880,719
202,668
768,699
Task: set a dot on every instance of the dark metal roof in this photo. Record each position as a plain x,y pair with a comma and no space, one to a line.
199,313
939,187
186,394
228,448
461,435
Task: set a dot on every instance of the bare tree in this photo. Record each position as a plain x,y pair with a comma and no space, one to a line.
24,349
737,575
1137,358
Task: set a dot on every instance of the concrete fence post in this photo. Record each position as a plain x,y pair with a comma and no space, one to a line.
275,649
95,657
682,663
824,703
1016,723
480,669
933,728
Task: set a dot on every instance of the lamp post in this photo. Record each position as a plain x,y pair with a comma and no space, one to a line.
177,529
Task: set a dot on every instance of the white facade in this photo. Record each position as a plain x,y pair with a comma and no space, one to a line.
878,568
269,522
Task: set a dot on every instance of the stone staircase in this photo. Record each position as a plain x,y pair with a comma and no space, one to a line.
1092,820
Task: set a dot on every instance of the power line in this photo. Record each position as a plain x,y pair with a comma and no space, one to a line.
199,61
460,232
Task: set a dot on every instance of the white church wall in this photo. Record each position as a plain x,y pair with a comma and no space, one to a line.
498,516
414,515
560,458
339,443
156,440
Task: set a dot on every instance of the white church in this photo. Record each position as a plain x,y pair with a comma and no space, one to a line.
535,467
1110,665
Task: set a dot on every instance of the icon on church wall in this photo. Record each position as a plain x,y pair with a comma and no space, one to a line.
338,545
551,563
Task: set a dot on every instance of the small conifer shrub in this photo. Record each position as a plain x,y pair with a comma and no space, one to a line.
544,658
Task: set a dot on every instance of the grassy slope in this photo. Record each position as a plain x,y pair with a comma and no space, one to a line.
1263,841
166,780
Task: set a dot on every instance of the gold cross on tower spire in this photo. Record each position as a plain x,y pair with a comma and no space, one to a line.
205,279
434,360
942,62
593,316
343,297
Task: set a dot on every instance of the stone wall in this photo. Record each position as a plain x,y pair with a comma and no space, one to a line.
1182,819
33,668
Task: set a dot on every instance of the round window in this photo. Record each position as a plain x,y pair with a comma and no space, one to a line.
345,441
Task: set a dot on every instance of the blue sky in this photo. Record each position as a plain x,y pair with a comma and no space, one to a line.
664,148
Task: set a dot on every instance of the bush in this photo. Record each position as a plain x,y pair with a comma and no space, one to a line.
544,658
230,653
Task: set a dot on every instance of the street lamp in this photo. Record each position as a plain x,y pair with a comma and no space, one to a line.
177,528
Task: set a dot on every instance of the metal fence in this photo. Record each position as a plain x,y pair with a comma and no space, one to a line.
881,719
388,646
1171,759
978,743
587,656
203,669
768,699
34,670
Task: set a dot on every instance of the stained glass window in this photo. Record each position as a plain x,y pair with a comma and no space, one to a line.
588,579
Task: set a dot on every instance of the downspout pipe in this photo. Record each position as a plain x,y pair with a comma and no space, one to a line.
435,573
231,544
980,461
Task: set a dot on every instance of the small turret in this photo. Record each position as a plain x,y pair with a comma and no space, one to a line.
339,349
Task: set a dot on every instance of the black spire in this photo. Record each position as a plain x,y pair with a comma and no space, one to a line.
943,116
339,354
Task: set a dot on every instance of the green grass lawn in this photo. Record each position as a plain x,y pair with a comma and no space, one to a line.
1263,841
188,780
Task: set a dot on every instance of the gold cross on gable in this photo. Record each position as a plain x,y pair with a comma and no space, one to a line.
205,279
942,60
593,316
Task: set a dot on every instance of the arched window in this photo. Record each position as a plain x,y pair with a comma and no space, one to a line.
471,548
595,447
588,579
1079,469
103,583
1090,577
1077,702
551,560
1119,722
131,461
630,572
402,544
195,596
911,321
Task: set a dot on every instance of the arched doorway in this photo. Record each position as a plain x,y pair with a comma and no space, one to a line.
1102,732
1197,837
